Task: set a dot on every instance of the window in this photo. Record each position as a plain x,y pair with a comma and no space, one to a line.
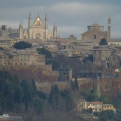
94,36
10,57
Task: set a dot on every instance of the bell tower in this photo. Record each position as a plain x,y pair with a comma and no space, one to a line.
109,28
55,34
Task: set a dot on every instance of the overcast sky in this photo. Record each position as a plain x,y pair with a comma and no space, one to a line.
71,16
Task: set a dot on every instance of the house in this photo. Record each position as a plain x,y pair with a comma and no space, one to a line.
95,106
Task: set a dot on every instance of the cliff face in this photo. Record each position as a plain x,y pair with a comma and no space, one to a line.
110,87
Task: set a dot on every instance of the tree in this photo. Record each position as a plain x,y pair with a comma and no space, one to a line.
88,58
22,45
76,83
47,53
38,106
42,95
34,86
90,110
55,65
10,100
103,41
27,89
54,97
18,95
1,48
89,96
105,99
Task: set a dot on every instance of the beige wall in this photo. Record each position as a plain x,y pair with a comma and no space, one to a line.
89,35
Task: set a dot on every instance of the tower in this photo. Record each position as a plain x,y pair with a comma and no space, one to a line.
55,34
21,30
46,27
29,20
109,28
29,24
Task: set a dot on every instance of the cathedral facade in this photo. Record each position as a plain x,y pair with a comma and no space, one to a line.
36,30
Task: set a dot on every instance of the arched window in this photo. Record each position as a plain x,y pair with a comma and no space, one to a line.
38,36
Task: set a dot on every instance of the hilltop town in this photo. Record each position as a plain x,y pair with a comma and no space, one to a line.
93,61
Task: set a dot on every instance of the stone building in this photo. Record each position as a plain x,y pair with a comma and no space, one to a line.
95,106
82,105
101,56
6,42
95,32
21,57
108,107
36,30
65,74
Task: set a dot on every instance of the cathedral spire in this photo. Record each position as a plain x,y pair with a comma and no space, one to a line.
30,15
21,30
21,25
29,20
46,27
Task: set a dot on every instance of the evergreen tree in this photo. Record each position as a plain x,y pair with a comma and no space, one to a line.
22,45
18,95
103,41
34,86
76,83
54,96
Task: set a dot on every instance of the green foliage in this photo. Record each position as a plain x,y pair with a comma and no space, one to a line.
22,45
55,65
88,58
38,106
1,48
103,41
13,93
74,85
47,53
105,99
69,104
18,95
42,95
89,96
89,110
27,89
33,86
106,116
54,96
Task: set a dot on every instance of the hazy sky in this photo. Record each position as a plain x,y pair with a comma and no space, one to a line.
71,16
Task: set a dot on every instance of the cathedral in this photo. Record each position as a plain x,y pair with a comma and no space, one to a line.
36,30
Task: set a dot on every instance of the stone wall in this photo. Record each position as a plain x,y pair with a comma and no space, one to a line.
110,86
42,73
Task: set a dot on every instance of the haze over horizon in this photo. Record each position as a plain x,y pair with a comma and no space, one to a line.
71,16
